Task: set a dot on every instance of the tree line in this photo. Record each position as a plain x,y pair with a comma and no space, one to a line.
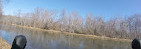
72,22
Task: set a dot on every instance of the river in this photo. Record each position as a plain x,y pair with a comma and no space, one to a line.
37,39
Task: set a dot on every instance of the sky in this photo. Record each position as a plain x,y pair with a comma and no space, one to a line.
106,8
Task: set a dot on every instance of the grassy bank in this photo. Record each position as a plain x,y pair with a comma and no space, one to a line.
83,35
4,44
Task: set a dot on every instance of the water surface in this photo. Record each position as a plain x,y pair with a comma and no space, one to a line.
37,39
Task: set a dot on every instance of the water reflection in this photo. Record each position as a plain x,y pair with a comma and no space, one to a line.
43,40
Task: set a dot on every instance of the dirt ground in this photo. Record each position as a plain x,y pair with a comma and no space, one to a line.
4,44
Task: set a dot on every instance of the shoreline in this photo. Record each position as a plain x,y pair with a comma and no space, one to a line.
4,44
83,35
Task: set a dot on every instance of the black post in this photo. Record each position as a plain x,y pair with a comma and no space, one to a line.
19,42
136,44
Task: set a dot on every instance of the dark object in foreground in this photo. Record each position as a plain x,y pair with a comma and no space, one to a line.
136,44
19,42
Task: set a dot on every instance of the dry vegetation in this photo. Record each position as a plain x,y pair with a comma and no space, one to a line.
4,44
116,27
127,27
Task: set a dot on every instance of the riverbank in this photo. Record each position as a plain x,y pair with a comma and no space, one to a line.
83,35
4,44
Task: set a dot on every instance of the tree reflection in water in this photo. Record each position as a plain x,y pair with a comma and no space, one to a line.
38,39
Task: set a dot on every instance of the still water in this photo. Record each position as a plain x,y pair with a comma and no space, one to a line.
37,39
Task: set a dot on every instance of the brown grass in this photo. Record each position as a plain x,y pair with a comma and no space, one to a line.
4,44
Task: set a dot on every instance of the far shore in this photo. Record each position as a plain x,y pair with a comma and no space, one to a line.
83,35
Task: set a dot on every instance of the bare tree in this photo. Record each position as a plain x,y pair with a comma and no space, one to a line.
129,27
63,21
90,24
0,7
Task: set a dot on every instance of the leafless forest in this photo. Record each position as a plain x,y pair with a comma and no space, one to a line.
116,27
